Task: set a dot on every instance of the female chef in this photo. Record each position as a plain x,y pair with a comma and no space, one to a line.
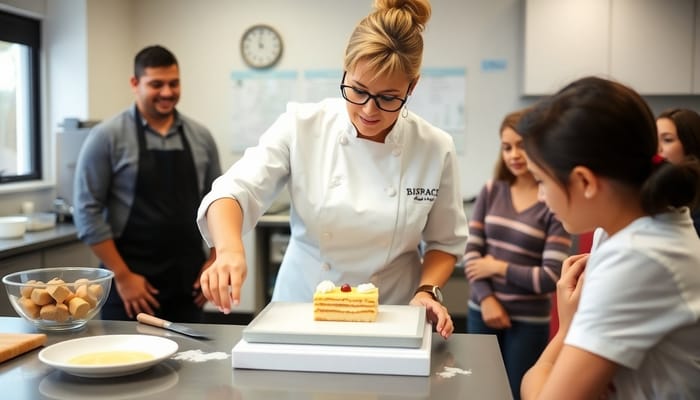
368,182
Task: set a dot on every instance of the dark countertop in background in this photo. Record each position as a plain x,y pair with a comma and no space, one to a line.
39,240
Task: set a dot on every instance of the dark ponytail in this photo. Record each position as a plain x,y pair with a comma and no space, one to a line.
672,185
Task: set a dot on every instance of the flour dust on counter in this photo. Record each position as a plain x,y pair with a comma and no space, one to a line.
198,356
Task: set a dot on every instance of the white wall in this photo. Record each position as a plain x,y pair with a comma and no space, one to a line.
110,55
65,43
205,40
205,37
90,46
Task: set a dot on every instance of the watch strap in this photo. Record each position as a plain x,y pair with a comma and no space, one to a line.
430,289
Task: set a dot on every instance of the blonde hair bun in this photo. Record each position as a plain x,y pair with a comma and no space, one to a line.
418,9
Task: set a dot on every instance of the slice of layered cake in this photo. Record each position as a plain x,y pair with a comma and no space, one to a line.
346,303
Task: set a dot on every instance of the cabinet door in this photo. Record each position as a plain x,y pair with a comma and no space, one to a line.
15,264
76,254
564,40
696,64
652,45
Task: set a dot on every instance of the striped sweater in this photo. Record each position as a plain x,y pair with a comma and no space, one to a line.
533,243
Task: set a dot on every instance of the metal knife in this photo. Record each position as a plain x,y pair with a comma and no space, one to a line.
161,323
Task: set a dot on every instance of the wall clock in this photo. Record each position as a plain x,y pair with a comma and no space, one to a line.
261,46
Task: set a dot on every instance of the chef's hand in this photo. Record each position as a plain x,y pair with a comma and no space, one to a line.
569,288
493,313
136,294
437,313
197,295
221,282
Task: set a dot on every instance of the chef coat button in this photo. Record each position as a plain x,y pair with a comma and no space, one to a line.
325,267
336,181
396,152
390,191
343,140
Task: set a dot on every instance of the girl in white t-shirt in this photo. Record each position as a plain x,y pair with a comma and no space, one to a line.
630,329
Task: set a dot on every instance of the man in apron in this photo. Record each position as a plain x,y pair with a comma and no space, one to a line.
139,179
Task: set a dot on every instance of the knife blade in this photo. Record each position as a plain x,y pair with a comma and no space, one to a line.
161,323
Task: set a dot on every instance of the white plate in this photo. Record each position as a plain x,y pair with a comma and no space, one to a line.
59,354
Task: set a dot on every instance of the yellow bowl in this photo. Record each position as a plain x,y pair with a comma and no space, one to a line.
58,299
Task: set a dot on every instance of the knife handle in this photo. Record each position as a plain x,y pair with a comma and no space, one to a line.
151,320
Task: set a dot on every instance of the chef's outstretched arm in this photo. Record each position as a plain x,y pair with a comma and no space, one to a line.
437,269
221,283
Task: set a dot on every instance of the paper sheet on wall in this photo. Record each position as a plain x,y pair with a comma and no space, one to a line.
439,98
260,97
317,85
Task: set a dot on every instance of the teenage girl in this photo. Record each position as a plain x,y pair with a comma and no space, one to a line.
629,312
513,259
679,139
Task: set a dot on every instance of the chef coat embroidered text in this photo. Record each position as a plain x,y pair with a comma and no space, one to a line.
422,194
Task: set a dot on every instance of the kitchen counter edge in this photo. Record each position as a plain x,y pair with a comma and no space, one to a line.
35,241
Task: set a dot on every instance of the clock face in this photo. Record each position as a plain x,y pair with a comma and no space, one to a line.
261,46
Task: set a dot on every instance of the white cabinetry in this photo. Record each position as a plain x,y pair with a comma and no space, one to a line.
651,45
696,63
564,40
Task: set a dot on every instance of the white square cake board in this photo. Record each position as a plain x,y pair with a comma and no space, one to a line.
293,323
347,359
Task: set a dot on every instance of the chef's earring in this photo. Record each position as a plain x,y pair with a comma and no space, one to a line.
404,112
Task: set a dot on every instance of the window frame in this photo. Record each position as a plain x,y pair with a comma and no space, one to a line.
25,30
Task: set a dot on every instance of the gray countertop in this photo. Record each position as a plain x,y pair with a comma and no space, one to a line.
33,241
25,377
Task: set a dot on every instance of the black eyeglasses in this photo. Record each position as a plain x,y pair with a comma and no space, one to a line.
360,97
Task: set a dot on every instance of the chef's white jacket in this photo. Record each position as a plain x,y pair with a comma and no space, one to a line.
359,209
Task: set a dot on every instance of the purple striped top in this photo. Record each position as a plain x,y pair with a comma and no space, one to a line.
533,242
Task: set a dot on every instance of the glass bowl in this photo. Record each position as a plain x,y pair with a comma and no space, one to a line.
58,299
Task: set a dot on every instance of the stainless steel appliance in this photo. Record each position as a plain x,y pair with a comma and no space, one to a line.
68,144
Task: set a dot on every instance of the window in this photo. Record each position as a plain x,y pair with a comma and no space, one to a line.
20,114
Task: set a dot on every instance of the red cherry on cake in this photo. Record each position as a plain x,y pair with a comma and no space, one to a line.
345,288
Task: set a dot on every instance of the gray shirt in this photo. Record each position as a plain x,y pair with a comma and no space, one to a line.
107,167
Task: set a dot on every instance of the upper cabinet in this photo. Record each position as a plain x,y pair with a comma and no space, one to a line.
696,64
650,45
564,40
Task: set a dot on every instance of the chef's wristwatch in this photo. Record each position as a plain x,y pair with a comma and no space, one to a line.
433,290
